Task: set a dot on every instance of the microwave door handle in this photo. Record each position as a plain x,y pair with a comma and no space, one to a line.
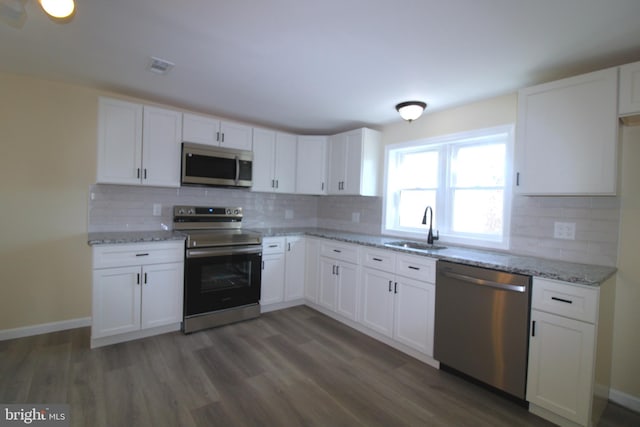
237,169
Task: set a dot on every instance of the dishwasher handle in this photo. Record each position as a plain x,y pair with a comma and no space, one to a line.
482,282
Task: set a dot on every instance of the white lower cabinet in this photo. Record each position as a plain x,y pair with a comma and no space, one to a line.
399,307
339,279
272,284
283,269
569,369
136,288
312,269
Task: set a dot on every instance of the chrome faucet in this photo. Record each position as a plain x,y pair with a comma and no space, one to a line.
430,236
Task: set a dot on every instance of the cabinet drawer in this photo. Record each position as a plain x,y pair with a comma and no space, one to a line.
273,245
107,256
379,259
416,267
574,302
342,252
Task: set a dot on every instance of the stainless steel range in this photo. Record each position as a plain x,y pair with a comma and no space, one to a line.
222,266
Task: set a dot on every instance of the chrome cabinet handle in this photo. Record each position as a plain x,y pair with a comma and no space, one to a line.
390,282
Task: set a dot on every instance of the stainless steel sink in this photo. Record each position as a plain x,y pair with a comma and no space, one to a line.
408,244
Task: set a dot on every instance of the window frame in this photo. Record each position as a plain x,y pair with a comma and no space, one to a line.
445,145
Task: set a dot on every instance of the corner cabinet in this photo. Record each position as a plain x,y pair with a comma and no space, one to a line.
138,145
354,159
567,136
570,351
137,290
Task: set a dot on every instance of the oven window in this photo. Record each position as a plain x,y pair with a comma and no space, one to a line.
228,275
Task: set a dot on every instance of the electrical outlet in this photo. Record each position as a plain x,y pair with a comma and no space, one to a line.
157,209
564,230
355,217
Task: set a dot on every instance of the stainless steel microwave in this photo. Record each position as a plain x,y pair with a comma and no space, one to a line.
215,166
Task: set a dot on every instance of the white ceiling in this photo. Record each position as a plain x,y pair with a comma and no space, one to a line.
322,66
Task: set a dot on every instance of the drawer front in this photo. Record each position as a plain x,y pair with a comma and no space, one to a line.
416,267
379,259
107,256
574,302
342,252
272,245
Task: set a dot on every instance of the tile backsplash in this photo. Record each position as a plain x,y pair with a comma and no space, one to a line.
118,208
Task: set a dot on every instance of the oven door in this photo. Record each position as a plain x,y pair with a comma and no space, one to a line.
220,278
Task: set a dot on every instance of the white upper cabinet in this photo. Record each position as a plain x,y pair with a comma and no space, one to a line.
119,142
311,174
353,163
211,131
161,132
274,161
567,136
138,144
629,89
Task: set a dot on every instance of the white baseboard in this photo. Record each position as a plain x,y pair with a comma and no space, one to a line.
624,399
44,328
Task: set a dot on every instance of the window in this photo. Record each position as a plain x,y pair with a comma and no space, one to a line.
465,178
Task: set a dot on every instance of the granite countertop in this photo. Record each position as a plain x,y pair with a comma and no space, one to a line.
583,274
111,237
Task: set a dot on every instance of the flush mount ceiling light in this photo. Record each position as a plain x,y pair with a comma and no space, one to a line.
411,110
58,9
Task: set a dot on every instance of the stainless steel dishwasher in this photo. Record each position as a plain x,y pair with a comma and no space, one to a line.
482,325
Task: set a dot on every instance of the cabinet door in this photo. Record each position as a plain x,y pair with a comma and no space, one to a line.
561,363
162,133
353,162
414,314
272,285
119,142
328,295
312,270
337,163
116,301
235,135
347,276
200,129
629,89
567,136
377,300
311,173
294,268
162,293
285,163
264,142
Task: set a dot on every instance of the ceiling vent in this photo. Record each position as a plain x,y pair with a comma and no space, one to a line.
160,66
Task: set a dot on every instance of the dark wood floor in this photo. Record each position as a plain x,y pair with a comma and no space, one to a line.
294,367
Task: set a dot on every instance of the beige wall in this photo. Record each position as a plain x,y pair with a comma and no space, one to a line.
47,162
482,114
626,336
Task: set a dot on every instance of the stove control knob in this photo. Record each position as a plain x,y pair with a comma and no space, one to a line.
190,211
180,211
235,212
228,212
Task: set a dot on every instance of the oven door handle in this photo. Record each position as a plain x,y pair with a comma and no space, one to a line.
211,252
